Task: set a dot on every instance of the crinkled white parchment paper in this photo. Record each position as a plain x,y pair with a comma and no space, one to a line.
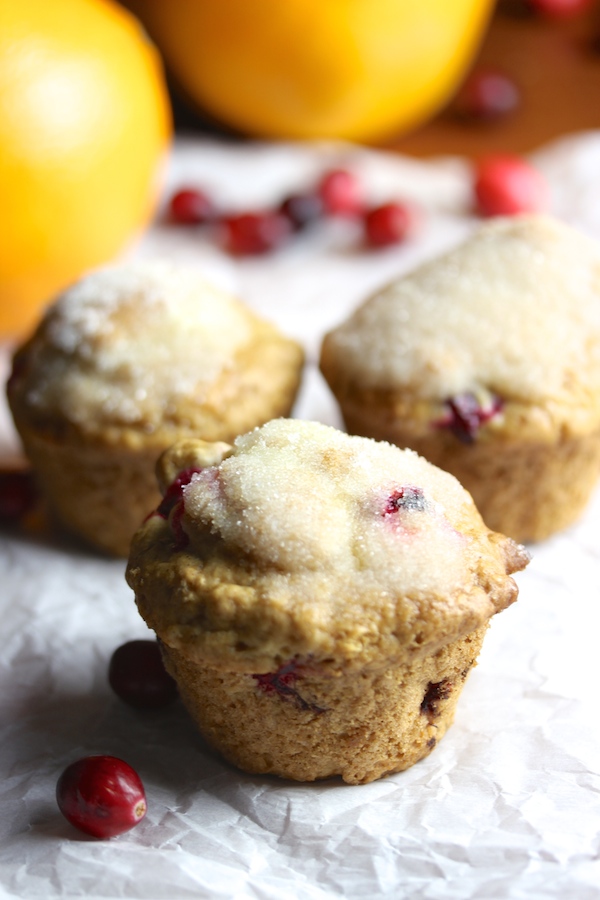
507,806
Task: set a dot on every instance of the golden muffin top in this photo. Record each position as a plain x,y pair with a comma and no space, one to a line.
512,312
302,541
125,345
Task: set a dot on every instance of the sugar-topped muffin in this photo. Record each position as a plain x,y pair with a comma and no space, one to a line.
124,363
487,362
320,598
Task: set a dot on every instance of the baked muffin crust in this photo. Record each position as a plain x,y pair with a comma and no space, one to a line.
126,362
304,541
513,313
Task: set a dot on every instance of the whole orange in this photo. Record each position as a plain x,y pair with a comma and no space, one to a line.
84,129
354,69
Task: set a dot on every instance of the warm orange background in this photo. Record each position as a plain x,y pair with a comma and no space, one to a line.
553,62
557,66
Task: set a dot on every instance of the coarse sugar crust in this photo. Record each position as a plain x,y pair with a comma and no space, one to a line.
512,312
304,542
134,354
125,362
507,326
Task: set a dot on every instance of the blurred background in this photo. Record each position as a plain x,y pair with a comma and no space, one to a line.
89,105
523,72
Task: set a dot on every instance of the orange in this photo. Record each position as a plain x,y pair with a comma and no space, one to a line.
354,69
84,129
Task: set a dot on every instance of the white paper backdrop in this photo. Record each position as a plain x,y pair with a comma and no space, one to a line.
507,806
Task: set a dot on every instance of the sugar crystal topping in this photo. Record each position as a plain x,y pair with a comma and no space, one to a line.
124,343
306,499
515,308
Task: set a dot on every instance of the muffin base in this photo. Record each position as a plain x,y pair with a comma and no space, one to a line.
99,494
527,490
308,726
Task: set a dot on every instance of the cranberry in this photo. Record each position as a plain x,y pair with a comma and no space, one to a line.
302,209
190,206
387,224
435,693
17,495
559,9
101,795
465,415
341,193
249,234
174,492
137,675
487,94
282,683
507,185
408,497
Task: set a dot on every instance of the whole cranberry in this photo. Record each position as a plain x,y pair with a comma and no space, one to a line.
559,9
341,193
302,209
487,94
249,234
17,495
505,185
137,675
101,795
387,224
190,206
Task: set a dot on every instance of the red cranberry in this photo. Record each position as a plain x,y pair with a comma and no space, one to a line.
249,234
341,193
408,497
282,683
387,224
507,185
137,675
101,795
559,9
465,415
302,209
487,94
17,495
190,206
174,492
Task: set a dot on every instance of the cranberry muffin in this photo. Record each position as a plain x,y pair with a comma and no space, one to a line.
123,364
487,362
320,598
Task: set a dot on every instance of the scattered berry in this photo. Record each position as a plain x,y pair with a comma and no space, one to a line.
101,795
387,224
507,185
249,234
341,193
17,495
465,415
190,206
487,94
137,675
302,209
559,9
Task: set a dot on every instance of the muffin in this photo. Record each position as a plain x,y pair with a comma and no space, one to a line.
320,598
123,364
487,362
